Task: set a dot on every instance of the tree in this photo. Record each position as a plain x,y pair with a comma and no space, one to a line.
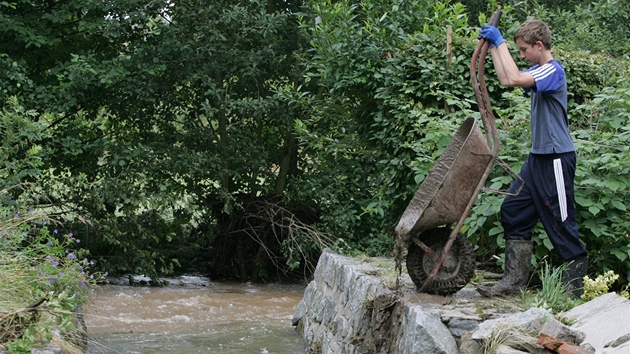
378,84
165,113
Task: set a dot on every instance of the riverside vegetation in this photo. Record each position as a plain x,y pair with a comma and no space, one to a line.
44,279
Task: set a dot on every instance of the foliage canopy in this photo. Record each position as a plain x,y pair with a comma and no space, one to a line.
199,136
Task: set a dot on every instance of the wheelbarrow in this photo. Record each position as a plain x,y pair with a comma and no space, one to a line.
439,260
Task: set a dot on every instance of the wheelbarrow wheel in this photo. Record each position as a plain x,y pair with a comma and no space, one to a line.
458,267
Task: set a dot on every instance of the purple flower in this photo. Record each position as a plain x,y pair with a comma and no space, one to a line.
45,222
70,235
52,261
82,283
55,231
78,241
72,256
48,243
16,216
62,274
52,280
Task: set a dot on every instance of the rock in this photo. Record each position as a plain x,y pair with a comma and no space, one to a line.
561,347
523,341
567,348
618,349
559,330
467,345
619,341
603,319
530,321
460,326
348,309
423,332
506,349
46,351
549,342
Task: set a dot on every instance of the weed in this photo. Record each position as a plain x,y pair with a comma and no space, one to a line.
553,294
506,334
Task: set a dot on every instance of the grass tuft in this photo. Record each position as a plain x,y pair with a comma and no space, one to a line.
553,294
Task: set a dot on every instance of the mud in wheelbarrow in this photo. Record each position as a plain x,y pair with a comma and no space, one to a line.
445,192
440,201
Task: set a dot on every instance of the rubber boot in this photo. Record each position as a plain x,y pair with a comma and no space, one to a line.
518,258
573,276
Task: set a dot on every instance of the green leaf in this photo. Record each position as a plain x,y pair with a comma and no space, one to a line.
594,209
495,231
585,202
547,243
619,205
622,256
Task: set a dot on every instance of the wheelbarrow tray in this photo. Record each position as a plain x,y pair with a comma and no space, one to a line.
455,178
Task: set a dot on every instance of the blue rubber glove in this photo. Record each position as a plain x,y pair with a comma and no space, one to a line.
492,35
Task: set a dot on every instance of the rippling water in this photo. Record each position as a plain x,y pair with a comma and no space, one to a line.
196,317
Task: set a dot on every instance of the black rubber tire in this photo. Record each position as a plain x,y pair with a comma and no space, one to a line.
460,258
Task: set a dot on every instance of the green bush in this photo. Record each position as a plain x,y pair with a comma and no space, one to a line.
21,151
601,285
602,187
596,27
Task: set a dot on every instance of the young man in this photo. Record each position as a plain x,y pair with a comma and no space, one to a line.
548,172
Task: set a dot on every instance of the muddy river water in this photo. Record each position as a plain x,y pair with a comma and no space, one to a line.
195,317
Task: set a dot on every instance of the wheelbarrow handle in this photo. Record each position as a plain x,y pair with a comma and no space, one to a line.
479,86
494,19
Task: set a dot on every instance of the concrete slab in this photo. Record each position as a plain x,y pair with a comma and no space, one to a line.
603,320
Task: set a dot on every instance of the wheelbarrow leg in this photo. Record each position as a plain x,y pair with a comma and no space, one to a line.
423,247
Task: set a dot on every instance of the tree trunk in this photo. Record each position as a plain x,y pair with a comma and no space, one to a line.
288,165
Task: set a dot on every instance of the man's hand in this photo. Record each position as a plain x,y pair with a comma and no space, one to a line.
492,35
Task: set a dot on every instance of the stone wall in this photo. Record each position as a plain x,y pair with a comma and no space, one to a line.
348,308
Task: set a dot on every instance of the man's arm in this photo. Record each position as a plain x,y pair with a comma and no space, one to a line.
507,71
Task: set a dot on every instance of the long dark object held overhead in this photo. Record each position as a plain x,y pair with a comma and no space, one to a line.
477,72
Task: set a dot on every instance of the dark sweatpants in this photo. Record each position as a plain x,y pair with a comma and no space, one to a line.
547,195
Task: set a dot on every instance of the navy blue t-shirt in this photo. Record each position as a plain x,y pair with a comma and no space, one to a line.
549,122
